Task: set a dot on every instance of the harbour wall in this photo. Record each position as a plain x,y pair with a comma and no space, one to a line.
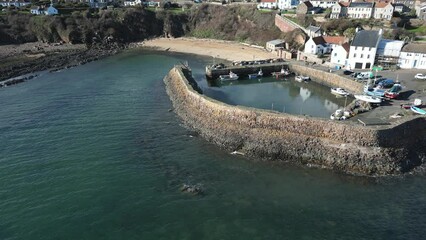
328,79
346,147
267,69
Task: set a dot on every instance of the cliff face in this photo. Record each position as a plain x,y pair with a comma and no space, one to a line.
269,135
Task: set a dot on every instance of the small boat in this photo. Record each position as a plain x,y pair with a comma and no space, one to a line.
369,99
340,114
339,91
282,73
256,75
374,91
393,92
301,78
418,110
231,76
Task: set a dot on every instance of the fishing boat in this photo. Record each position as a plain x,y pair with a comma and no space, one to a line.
418,110
282,73
369,99
256,75
301,78
393,92
340,114
374,91
231,76
339,91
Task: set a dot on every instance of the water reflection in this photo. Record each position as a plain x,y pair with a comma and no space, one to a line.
280,95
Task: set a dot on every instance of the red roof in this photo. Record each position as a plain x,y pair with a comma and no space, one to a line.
346,46
334,39
344,4
381,4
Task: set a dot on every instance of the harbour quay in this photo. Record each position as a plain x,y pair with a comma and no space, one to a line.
241,69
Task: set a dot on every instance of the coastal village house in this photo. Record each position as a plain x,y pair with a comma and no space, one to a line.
274,45
360,10
383,10
363,49
17,3
287,4
413,55
132,3
421,11
323,3
409,4
339,10
37,10
317,46
270,4
313,31
340,54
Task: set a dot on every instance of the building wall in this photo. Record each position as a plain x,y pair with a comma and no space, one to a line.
354,12
408,60
339,56
361,57
267,5
384,13
287,4
283,24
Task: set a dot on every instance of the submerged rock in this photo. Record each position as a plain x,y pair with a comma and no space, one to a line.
193,189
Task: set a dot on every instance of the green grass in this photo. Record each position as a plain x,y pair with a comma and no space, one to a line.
420,29
265,10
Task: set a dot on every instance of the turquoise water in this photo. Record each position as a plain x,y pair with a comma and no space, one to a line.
93,153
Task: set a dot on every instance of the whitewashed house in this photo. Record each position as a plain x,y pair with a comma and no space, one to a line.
363,49
274,45
383,10
339,10
37,10
313,31
323,3
269,4
317,46
360,10
340,54
334,41
413,55
16,3
132,3
287,4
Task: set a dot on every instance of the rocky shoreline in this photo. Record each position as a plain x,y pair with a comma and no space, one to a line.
57,60
273,136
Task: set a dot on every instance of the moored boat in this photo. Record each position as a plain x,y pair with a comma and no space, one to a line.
393,92
231,76
418,110
339,91
256,75
374,91
282,73
369,99
301,78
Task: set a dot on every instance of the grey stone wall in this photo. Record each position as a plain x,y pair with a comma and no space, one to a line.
271,135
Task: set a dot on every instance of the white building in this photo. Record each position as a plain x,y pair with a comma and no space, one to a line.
132,3
360,10
287,4
317,46
389,48
270,4
383,10
339,10
16,3
313,31
274,45
363,49
413,55
323,3
340,54
44,11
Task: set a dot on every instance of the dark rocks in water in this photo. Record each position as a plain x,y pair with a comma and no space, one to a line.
193,189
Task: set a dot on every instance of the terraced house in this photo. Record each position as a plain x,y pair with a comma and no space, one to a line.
383,10
360,10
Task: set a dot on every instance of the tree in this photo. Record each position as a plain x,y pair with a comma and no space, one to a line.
349,33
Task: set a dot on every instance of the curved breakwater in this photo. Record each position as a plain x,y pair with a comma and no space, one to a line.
347,147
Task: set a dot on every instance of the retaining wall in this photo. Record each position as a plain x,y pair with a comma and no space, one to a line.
302,140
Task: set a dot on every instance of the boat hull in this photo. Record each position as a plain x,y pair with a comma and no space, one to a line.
368,99
418,110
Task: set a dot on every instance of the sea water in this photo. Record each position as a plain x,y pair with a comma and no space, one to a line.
93,152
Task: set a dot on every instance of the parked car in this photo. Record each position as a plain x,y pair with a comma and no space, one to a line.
348,72
420,76
386,83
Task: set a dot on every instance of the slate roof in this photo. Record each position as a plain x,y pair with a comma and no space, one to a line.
366,38
319,40
308,4
414,48
361,5
276,42
313,29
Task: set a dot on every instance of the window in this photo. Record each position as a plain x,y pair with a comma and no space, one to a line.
368,56
335,54
354,55
362,55
356,48
362,48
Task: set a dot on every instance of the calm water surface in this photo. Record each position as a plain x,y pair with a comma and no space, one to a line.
93,153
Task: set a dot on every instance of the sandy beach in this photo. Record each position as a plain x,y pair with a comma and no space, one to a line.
227,50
